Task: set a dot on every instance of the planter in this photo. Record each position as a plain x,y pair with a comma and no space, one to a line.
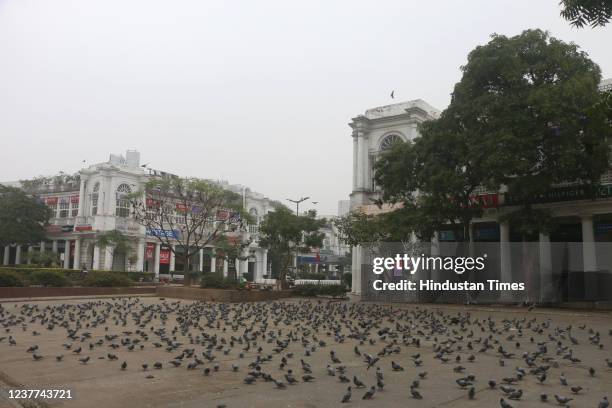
34,292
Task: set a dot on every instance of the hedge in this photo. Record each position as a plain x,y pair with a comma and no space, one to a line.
106,279
315,290
54,279
10,279
218,281
29,275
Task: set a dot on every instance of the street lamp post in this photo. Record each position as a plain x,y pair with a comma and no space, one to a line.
297,213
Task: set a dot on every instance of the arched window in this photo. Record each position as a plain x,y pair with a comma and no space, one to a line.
389,141
94,199
254,226
122,207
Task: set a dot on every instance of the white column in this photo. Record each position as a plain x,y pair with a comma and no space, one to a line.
54,246
505,260
355,163
77,253
7,254
156,260
356,271
238,268
213,261
42,246
225,268
108,258
258,266
365,162
244,266
201,260
265,263
546,285
140,255
66,254
359,161
96,257
589,257
18,255
81,197
172,259
30,250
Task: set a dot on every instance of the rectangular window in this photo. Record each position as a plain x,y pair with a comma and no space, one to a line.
123,208
64,207
75,209
53,208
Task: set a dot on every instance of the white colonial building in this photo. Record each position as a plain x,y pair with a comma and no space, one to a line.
575,258
92,202
374,132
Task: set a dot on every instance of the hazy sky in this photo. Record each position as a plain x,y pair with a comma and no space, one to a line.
256,92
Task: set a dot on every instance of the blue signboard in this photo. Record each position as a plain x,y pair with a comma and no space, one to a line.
158,232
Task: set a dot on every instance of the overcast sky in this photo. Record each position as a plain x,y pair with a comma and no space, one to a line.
256,92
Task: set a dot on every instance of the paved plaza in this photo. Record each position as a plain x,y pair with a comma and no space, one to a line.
230,337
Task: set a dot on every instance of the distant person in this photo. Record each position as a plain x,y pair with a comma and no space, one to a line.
84,271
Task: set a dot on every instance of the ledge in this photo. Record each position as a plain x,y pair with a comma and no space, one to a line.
221,295
33,292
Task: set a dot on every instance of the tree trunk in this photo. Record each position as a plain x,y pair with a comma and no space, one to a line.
186,270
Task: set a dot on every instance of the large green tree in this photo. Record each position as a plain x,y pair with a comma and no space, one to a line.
526,115
285,234
596,13
529,104
435,177
22,218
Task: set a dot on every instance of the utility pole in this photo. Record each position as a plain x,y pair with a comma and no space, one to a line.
297,213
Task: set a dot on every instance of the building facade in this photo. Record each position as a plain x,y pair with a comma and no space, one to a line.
93,202
578,253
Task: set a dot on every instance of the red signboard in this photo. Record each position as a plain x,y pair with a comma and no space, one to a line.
152,203
489,200
164,256
80,228
181,207
223,215
74,199
150,253
51,200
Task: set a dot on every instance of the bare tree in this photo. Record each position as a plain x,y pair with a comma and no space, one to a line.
187,214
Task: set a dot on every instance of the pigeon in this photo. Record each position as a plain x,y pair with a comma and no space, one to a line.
357,382
84,360
369,394
124,365
604,403
504,404
347,395
562,400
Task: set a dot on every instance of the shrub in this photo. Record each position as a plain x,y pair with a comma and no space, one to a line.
216,280
54,279
106,279
347,279
10,279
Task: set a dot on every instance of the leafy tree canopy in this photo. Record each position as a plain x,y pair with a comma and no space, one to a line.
22,218
285,233
579,13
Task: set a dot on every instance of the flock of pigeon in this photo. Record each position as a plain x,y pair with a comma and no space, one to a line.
275,343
